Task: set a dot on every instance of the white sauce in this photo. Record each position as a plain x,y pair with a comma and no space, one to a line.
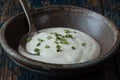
86,48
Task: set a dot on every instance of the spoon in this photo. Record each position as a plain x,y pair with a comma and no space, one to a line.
32,29
28,15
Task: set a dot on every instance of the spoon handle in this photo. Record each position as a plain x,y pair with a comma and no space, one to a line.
28,15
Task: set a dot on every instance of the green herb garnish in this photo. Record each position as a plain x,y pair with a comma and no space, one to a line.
68,36
40,40
37,51
58,48
73,47
49,37
28,39
56,42
84,44
61,38
63,41
58,38
47,46
66,31
38,44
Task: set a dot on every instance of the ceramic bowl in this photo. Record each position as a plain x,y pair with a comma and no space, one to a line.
96,25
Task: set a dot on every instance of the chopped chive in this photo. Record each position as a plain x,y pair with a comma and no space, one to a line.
66,31
56,42
40,40
68,36
47,46
38,44
58,38
56,34
37,51
73,47
64,41
28,39
84,44
49,37
58,48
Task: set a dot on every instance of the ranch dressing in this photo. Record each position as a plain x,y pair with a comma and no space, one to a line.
62,46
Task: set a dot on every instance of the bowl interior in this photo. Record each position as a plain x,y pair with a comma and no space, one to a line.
84,20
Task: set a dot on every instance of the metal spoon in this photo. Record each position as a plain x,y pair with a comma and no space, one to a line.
28,15
32,29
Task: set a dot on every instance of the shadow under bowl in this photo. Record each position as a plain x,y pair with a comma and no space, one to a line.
97,26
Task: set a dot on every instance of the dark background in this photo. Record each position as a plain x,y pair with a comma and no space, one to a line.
110,70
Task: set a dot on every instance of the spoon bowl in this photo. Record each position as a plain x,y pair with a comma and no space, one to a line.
23,41
32,28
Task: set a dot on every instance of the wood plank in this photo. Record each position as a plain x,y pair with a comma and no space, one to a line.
109,70
112,11
117,59
14,72
8,69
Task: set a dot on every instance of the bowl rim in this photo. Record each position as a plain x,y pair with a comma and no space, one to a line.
14,56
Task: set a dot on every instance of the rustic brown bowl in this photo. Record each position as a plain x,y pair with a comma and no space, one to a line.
97,26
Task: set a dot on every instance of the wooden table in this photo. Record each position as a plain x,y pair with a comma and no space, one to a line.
110,70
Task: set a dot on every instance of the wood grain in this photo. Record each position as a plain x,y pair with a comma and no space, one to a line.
112,11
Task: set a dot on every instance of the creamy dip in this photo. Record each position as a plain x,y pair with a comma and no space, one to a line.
61,46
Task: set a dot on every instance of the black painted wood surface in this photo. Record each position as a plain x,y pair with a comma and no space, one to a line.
110,70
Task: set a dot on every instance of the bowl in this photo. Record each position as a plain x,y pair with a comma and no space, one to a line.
96,25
